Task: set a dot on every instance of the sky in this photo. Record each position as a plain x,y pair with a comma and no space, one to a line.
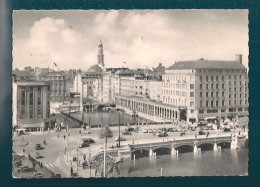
141,38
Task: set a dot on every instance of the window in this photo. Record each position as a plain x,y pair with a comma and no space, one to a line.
192,111
216,103
201,86
222,78
207,78
223,86
191,94
201,94
207,103
201,111
201,103
207,94
223,103
223,94
212,78
211,86
212,94
191,104
229,96
216,78
212,103
229,76
229,83
216,86
200,78
207,86
192,86
216,94
235,95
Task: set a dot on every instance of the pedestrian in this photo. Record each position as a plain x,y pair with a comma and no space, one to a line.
195,136
64,137
71,171
33,165
239,133
102,174
84,157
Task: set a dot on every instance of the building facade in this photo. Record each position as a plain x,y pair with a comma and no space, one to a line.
31,103
58,87
207,89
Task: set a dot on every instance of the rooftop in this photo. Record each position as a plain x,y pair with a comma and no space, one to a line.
206,64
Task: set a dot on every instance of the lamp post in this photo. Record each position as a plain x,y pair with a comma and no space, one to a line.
67,139
77,160
119,129
104,160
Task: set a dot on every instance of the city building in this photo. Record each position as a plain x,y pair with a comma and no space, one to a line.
191,91
207,89
58,87
31,102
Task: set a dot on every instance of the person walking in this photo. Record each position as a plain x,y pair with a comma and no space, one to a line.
64,137
71,171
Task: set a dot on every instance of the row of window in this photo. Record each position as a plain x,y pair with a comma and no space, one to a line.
222,78
221,103
216,94
240,109
221,70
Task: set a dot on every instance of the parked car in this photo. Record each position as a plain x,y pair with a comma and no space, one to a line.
226,130
39,175
162,135
126,133
25,169
150,130
201,133
145,131
88,140
83,144
38,155
129,129
38,147
121,138
136,129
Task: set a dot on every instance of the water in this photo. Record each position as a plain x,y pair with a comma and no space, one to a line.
225,163
109,117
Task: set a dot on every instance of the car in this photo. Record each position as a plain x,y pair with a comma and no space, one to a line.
162,135
182,133
145,131
150,130
136,129
88,140
38,155
226,130
57,175
129,129
83,144
201,133
126,133
39,175
178,130
25,169
121,138
38,147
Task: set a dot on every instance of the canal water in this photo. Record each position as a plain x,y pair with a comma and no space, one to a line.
225,163
109,117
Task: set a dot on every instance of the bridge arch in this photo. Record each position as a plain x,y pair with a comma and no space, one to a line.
206,146
184,148
224,144
140,153
162,150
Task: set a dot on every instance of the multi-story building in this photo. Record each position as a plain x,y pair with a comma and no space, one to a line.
31,101
155,90
58,87
207,88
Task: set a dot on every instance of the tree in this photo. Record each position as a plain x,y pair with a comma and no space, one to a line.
106,132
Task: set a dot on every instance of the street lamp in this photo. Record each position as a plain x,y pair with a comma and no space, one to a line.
77,160
119,129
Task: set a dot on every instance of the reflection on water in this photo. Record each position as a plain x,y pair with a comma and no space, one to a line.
208,163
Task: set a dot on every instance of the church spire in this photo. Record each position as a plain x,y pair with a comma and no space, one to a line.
100,55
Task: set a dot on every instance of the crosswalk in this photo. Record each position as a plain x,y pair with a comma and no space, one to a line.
48,165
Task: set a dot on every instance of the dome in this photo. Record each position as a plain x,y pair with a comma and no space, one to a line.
95,68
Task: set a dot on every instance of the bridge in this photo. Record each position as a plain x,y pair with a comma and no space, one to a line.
180,144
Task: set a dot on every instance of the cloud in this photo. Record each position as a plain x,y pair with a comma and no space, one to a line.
140,38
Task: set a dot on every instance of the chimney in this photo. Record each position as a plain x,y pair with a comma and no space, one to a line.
239,58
